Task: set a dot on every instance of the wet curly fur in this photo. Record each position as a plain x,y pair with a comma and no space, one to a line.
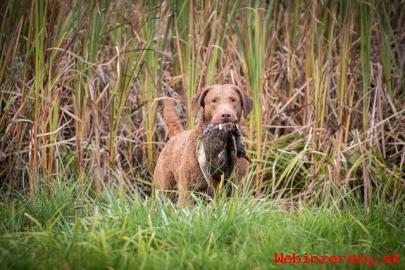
177,166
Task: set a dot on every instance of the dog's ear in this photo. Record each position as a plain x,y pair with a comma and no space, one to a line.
246,100
198,100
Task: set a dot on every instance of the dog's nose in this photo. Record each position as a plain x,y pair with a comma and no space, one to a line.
227,117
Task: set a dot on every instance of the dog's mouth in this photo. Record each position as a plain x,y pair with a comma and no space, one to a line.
227,126
224,121
220,128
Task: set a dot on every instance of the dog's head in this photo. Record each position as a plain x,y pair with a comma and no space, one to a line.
222,104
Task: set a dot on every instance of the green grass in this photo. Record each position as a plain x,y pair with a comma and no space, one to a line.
81,128
81,84
64,230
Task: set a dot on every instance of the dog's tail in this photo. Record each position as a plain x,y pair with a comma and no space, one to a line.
169,115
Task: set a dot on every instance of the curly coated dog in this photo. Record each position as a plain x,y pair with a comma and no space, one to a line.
182,162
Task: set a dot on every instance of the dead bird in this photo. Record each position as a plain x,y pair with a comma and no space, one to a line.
218,148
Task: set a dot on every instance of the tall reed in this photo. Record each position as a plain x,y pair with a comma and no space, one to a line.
81,82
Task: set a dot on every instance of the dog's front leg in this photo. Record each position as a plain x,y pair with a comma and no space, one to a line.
182,187
241,168
183,199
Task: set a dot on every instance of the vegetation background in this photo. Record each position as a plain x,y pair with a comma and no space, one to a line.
81,125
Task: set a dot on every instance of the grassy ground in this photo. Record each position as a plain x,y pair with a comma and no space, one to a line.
81,84
64,230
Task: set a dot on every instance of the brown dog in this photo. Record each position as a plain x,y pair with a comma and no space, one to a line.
177,164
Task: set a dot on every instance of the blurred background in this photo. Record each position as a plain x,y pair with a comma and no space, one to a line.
81,83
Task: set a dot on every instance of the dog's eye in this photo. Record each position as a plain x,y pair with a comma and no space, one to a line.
215,100
233,99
